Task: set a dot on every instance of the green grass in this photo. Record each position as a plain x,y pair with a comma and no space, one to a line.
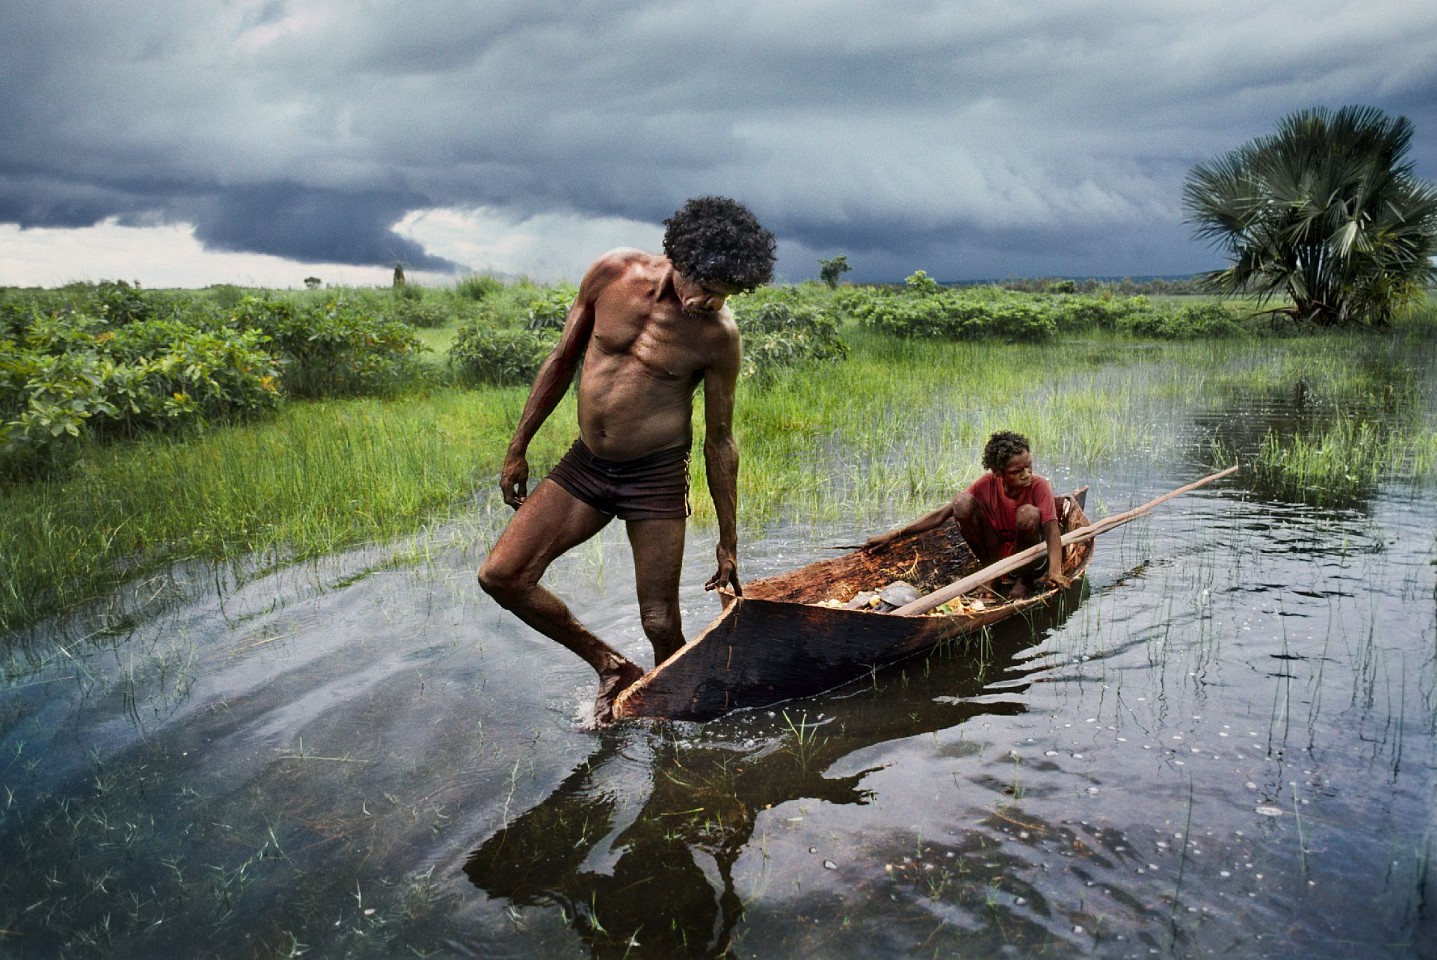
895,428
318,477
902,423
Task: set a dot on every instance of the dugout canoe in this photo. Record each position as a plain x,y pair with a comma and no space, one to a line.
778,642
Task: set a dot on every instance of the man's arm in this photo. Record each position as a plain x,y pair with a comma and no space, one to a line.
721,457
554,376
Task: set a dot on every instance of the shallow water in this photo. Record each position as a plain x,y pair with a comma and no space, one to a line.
1222,743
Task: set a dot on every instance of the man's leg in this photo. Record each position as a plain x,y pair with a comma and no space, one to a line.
549,523
658,547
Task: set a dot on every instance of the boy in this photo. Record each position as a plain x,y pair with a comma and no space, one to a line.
1008,509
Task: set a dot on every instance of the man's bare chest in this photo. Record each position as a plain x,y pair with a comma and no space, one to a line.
665,347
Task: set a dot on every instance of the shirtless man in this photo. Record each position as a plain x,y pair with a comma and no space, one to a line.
649,329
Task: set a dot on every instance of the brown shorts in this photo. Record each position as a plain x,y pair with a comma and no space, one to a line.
652,487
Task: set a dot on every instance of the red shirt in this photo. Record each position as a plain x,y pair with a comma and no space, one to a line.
1002,512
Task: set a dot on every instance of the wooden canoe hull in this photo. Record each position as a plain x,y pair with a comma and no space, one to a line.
776,643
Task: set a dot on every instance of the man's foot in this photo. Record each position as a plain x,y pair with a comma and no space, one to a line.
1019,590
612,683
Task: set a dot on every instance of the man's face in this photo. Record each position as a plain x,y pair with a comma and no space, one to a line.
702,297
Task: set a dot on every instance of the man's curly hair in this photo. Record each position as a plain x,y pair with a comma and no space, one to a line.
717,240
1002,447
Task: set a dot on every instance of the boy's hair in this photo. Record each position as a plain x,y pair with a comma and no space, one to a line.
1002,447
715,239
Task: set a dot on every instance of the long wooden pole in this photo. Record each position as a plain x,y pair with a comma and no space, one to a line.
1008,564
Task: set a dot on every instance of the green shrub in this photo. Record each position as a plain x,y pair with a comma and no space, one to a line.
550,309
1193,322
482,354
333,347
927,311
780,330
420,313
197,376
477,286
964,314
1077,313
118,303
46,402
225,295
922,284
60,392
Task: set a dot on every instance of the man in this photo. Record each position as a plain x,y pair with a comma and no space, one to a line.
650,329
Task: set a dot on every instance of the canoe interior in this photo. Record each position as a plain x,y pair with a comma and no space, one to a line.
927,560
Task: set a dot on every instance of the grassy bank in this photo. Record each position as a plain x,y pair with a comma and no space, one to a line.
317,477
895,427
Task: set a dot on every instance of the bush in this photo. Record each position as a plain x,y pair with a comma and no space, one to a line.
922,284
197,375
550,309
118,303
780,330
1197,321
926,310
419,313
963,314
1102,312
478,286
482,354
96,381
46,403
333,347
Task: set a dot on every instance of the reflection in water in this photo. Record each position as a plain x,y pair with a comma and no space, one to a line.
670,890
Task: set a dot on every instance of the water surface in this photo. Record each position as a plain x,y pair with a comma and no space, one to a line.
1221,743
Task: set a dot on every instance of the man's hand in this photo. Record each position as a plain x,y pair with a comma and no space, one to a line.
514,480
727,574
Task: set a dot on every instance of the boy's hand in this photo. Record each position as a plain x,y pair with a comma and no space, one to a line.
1056,580
877,540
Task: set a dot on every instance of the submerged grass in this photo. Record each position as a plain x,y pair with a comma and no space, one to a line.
898,426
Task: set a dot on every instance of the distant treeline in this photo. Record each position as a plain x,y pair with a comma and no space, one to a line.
1089,286
1121,287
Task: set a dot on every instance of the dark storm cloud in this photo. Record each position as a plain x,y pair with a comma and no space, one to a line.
974,139
309,224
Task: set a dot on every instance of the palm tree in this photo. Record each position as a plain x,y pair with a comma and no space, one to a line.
1326,211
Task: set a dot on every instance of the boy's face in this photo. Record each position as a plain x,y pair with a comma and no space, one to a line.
1017,473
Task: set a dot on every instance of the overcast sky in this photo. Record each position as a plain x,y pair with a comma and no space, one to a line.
189,142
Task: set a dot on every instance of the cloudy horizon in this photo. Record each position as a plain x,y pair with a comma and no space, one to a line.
262,141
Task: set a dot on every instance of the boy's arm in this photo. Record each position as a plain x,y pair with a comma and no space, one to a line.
1053,534
928,521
